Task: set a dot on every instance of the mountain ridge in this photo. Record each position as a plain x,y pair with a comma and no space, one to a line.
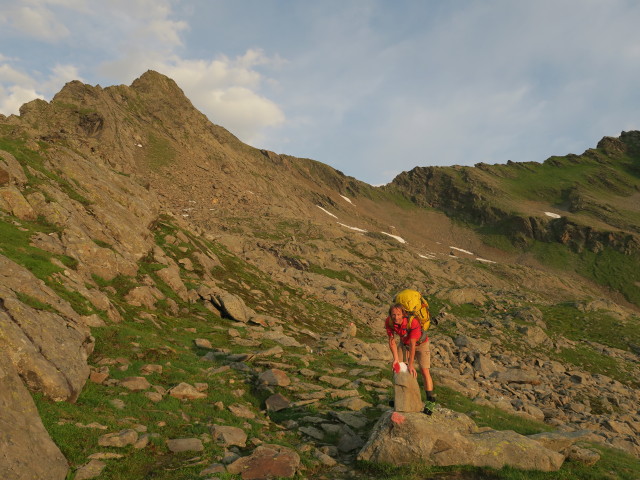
171,251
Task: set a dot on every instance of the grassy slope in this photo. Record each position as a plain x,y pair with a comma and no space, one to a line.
169,341
597,191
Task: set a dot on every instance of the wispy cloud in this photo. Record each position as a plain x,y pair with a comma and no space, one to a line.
227,91
34,19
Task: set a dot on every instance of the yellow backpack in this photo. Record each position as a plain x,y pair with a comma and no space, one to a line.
416,306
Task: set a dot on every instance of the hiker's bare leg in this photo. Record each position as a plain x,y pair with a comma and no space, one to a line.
428,382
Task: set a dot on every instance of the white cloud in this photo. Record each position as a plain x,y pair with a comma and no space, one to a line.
242,111
60,75
8,74
226,90
18,87
12,98
37,21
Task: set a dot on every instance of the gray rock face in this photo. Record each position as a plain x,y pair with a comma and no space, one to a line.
234,307
185,445
185,391
11,172
516,375
171,276
92,469
228,436
277,402
12,201
406,393
135,384
267,461
119,439
274,377
448,438
49,349
23,438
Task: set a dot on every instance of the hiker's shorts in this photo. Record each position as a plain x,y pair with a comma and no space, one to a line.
423,355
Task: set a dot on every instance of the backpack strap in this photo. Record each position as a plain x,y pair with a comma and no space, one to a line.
423,333
410,322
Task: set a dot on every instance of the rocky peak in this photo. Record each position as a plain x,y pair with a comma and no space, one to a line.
76,92
153,83
161,232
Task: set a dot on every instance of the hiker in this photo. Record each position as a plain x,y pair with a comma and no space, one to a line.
414,351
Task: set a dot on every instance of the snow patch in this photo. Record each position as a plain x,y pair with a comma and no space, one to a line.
400,239
484,260
552,215
352,228
328,213
347,199
461,250
428,257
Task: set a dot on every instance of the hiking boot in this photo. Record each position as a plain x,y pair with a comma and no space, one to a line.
429,407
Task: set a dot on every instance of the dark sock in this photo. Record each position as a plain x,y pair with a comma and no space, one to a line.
430,396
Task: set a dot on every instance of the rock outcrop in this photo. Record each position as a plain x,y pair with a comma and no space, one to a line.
447,438
26,450
48,345
406,393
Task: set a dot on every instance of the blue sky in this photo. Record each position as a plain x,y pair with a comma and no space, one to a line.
370,87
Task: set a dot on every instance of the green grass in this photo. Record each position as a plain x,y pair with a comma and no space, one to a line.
342,275
608,267
600,327
466,310
34,302
615,270
565,319
141,343
487,416
160,152
15,237
595,362
30,158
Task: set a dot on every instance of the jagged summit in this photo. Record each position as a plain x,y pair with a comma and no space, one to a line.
152,82
151,129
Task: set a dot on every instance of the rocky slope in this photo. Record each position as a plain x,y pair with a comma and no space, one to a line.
178,302
586,203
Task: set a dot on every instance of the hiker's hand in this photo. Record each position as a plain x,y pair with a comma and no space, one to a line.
413,372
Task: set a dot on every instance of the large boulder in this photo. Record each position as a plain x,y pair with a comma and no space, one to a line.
41,335
171,276
267,461
26,450
450,438
234,306
460,296
11,172
12,201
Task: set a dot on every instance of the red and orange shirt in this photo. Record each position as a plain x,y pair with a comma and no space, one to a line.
405,334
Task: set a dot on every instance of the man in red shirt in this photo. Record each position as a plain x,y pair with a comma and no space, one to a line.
413,349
